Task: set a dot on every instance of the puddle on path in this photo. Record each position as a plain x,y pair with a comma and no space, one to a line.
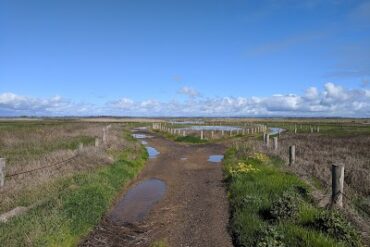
139,136
152,152
215,158
138,201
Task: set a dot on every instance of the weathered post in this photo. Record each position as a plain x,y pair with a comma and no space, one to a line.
96,142
231,132
212,134
104,136
291,155
311,129
264,137
295,130
183,133
318,129
337,178
276,143
267,140
243,132
201,134
2,172
222,132
80,146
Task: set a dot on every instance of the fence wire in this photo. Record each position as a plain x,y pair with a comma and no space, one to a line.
42,167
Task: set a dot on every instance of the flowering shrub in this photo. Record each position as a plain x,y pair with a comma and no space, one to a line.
242,167
261,157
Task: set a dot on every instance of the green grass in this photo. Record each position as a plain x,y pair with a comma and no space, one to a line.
186,139
73,207
190,139
271,207
333,128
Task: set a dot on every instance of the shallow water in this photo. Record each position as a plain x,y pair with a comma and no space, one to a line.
210,127
275,130
139,136
152,152
215,158
138,201
187,122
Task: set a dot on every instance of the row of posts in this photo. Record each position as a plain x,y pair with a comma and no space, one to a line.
183,132
337,172
80,148
312,129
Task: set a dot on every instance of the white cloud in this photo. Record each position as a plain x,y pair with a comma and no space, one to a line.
333,100
311,93
188,91
12,104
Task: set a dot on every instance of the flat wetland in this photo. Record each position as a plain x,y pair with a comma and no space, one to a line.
126,182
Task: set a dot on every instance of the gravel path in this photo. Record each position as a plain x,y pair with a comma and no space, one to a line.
194,210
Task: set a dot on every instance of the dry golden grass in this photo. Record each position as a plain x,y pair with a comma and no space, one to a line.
30,146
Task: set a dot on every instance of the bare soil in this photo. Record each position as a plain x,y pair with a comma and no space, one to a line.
194,210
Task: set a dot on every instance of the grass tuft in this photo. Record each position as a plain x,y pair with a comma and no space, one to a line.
271,207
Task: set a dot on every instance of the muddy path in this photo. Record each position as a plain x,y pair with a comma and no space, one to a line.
193,211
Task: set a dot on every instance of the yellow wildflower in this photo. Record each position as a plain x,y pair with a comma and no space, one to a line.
261,157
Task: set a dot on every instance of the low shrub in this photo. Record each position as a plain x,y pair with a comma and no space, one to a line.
284,207
332,223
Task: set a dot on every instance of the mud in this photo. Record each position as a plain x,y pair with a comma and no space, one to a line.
193,210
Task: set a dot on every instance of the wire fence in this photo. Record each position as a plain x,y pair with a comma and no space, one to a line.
42,167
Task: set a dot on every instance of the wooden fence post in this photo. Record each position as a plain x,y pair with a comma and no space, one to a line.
183,133
2,172
222,132
291,155
318,129
201,134
267,140
80,146
212,134
104,136
276,143
96,142
337,178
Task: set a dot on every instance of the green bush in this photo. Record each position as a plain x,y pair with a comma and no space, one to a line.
284,207
271,238
332,223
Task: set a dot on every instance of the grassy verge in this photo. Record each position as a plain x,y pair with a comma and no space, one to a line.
186,139
271,207
73,205
190,139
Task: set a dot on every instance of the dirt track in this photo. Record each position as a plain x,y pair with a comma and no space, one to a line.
194,210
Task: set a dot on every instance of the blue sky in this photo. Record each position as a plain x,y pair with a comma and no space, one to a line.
188,57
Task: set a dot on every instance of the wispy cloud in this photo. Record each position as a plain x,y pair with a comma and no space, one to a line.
188,91
332,100
286,43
